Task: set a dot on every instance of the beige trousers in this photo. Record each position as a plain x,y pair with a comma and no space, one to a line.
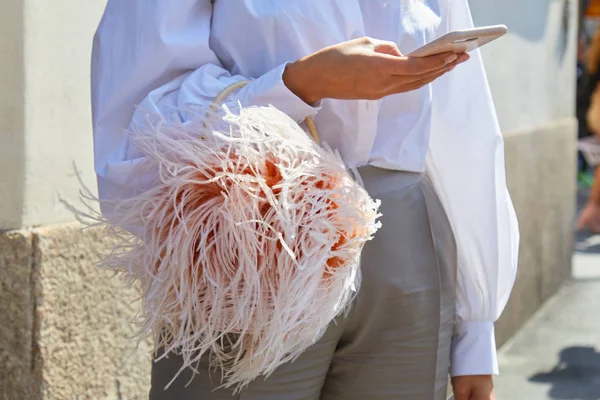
395,342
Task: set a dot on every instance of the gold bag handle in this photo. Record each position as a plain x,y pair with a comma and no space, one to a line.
310,124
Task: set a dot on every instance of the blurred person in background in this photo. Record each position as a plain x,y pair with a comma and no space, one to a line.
588,114
588,76
590,216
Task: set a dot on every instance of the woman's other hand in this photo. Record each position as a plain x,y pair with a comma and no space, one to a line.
364,68
473,387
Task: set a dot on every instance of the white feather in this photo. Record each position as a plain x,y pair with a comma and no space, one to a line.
233,266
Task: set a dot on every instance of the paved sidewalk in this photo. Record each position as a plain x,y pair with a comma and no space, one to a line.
557,354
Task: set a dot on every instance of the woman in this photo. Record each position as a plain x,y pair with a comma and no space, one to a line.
424,308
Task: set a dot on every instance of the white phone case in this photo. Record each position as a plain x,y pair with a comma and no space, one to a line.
462,41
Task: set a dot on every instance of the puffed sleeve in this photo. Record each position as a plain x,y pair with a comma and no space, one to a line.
153,57
466,165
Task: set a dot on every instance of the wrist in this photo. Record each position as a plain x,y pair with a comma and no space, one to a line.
297,78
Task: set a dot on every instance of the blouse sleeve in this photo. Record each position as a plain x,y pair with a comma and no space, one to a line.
466,166
153,57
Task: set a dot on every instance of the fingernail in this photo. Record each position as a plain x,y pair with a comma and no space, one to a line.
451,58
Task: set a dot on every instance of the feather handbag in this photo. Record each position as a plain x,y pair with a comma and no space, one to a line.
248,246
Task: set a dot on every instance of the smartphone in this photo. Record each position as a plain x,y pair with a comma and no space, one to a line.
462,41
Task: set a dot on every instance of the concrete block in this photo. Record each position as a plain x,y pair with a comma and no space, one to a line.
16,316
85,330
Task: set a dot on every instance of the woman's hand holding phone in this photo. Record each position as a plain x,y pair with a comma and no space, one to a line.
364,68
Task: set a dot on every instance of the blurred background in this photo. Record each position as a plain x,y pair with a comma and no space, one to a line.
65,330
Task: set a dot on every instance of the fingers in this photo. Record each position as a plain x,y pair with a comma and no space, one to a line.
460,58
436,73
419,82
427,80
421,66
413,82
404,66
482,395
462,396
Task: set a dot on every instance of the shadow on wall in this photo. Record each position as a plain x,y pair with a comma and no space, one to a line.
526,19
575,377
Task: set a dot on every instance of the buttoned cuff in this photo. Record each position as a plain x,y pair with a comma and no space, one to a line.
270,89
474,349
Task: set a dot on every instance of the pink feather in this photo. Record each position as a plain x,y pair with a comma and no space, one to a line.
250,240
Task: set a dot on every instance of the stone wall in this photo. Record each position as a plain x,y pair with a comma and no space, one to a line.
541,169
66,328
18,357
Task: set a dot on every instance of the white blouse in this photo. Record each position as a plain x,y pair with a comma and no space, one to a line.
167,56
